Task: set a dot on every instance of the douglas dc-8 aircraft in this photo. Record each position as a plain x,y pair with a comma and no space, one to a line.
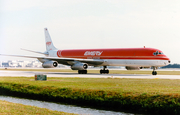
80,59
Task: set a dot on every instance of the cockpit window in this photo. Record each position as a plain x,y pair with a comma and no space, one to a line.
157,53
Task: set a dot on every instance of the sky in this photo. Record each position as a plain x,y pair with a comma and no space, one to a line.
79,24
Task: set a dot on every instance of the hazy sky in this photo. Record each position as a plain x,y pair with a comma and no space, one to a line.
75,24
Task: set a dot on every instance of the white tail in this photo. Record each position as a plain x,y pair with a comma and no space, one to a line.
49,43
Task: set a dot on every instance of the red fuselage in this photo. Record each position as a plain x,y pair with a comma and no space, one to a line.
115,53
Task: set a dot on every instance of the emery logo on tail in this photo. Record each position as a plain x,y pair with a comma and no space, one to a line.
93,53
48,43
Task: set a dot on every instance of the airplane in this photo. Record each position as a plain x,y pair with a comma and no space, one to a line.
80,59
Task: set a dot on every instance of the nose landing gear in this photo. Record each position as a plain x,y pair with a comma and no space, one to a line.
154,72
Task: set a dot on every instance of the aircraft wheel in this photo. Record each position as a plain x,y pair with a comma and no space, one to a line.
104,71
107,71
154,73
79,71
85,71
82,71
101,71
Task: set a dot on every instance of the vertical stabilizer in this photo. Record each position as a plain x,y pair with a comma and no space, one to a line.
49,43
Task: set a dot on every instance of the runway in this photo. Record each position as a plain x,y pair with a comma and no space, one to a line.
89,75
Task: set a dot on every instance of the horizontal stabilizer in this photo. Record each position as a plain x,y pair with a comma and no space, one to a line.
45,53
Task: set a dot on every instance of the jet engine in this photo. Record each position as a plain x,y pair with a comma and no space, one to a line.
79,66
132,68
50,64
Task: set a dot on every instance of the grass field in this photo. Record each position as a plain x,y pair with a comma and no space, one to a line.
8,108
160,72
141,95
151,86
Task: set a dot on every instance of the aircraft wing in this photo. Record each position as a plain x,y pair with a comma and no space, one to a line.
65,61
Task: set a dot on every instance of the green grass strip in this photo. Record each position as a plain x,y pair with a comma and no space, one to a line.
8,108
136,102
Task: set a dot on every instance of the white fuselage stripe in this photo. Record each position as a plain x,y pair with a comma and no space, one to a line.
127,62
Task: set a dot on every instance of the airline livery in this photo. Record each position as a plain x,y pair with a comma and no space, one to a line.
80,59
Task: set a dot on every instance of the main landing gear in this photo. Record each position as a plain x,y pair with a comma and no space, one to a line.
104,70
82,71
154,72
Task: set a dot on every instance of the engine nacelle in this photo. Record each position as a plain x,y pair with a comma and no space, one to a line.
50,64
79,66
132,68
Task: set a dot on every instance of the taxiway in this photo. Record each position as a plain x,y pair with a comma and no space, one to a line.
89,75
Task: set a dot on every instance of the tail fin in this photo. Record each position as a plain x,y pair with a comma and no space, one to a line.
49,43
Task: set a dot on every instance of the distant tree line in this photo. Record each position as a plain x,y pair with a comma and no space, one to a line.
172,66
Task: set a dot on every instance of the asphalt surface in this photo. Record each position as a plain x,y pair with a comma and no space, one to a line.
89,75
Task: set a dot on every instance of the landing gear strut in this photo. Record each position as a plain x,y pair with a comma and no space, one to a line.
104,70
82,71
154,72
